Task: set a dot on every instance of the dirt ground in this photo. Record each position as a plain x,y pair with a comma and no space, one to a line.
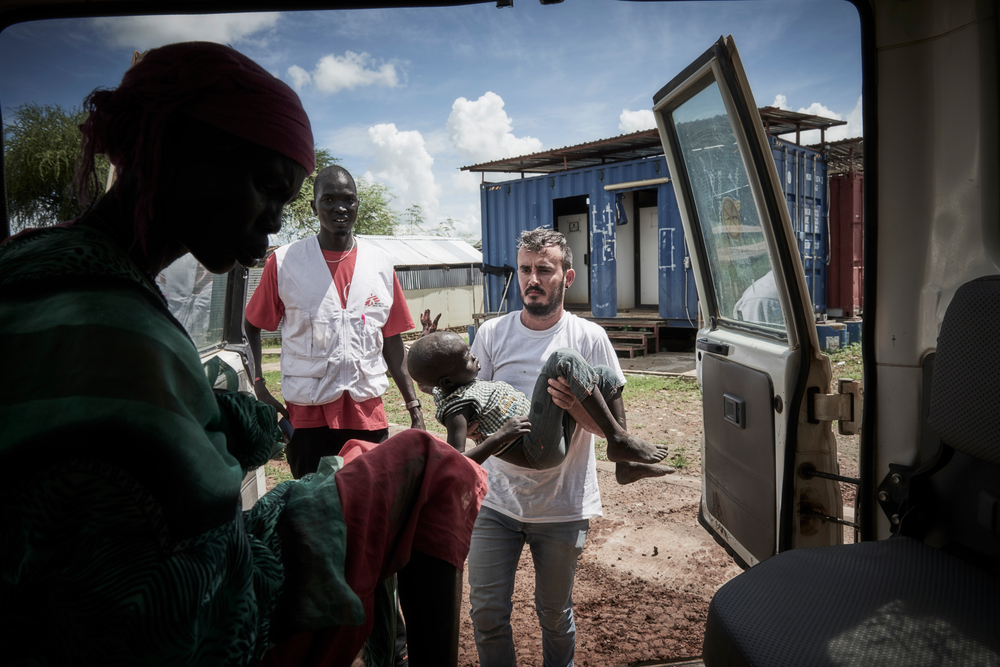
648,570
643,583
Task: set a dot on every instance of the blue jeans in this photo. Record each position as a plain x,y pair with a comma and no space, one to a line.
551,426
497,542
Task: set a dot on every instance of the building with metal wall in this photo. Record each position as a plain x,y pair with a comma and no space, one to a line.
614,201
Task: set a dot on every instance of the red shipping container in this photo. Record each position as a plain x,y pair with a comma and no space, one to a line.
845,289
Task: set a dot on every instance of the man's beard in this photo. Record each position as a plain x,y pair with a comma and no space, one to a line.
546,308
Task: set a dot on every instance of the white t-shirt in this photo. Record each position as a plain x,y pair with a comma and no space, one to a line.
509,351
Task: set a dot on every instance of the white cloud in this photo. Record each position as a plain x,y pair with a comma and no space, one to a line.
634,121
817,109
482,131
853,128
349,71
300,77
466,181
146,32
473,220
855,122
401,160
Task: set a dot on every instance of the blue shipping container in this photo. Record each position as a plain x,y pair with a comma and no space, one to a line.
803,180
623,224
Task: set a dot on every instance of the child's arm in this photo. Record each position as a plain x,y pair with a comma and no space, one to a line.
512,429
457,423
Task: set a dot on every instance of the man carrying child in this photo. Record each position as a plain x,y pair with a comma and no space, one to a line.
549,509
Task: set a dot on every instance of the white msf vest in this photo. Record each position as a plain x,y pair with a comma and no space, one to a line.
326,349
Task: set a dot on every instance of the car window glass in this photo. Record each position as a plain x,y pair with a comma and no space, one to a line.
197,298
738,261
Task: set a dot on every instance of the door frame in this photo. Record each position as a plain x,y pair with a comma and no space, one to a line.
639,303
791,356
584,210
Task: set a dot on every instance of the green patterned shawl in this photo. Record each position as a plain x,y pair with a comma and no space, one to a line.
122,540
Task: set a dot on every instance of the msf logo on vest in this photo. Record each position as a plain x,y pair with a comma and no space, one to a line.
374,302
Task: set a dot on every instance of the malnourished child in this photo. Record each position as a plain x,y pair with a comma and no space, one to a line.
532,434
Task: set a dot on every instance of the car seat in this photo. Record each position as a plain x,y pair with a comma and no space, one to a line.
930,593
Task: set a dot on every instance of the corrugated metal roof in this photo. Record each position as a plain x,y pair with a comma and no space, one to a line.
426,250
782,121
844,156
645,143
640,144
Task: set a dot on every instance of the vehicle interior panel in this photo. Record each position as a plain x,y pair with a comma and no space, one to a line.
740,457
929,595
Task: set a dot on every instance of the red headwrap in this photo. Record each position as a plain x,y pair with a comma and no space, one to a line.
208,82
222,87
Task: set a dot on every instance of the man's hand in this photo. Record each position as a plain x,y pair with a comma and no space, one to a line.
513,429
417,419
430,326
264,396
561,393
563,397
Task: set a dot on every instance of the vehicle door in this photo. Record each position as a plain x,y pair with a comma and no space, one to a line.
763,379
210,307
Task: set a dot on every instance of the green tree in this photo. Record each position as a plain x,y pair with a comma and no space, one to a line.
41,146
445,228
374,214
449,228
414,217
297,219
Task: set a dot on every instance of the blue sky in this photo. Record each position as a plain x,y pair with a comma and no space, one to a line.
406,97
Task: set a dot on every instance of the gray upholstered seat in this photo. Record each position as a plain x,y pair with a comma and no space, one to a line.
929,595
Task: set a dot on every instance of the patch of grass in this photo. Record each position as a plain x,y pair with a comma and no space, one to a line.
601,449
646,387
270,358
396,412
278,475
853,365
679,460
273,381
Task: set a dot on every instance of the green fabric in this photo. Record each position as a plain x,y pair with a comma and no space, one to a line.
122,540
316,564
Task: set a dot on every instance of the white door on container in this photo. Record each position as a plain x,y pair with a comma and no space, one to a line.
575,228
649,257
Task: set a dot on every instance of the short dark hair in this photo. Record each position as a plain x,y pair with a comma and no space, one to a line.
427,360
535,240
332,172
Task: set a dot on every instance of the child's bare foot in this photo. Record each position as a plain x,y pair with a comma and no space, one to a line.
629,448
627,472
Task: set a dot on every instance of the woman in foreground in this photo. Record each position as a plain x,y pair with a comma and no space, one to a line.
122,538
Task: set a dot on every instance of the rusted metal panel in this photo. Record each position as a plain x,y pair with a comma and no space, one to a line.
847,219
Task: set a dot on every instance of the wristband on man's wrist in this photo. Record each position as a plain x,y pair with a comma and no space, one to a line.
258,379
415,403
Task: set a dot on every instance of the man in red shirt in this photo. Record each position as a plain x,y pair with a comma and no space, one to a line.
336,343
343,311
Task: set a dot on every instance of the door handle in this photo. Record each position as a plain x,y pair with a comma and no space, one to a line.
705,345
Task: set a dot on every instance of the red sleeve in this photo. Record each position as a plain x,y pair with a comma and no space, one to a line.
399,315
265,309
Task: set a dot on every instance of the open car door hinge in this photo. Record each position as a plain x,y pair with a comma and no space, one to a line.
844,406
